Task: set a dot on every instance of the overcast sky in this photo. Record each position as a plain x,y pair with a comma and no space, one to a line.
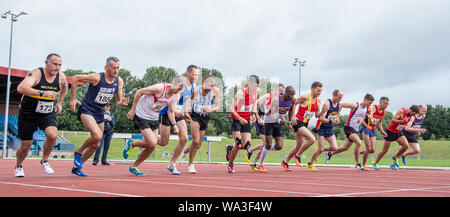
399,49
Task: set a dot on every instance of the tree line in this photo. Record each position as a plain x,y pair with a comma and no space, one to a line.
437,120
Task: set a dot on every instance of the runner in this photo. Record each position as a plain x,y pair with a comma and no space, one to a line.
260,131
40,88
145,115
324,126
395,133
358,112
374,119
206,99
308,107
413,129
181,115
243,105
278,106
102,88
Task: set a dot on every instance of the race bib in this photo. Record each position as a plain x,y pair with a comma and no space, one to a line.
158,106
44,107
416,126
332,117
375,121
103,98
308,115
356,121
400,127
246,108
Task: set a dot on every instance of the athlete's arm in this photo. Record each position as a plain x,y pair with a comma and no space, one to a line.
409,127
300,99
380,127
323,111
121,98
254,108
172,110
155,90
370,112
26,86
63,88
92,79
261,101
325,108
349,105
237,98
216,99
398,117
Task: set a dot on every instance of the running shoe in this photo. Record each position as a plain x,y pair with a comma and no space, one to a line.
18,172
395,162
248,156
359,167
375,166
173,169
228,148
262,169
48,170
365,167
298,161
254,167
191,169
285,166
127,149
404,160
231,168
136,171
311,167
327,157
78,172
393,167
78,160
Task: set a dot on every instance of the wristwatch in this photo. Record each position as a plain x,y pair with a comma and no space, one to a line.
41,92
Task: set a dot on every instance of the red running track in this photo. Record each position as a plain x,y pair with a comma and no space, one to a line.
212,180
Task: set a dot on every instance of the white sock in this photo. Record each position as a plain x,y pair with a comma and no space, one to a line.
272,147
264,152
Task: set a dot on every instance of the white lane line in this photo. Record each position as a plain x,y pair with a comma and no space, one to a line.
69,189
378,192
211,186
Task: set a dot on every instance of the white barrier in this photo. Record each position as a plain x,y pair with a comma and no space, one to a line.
127,136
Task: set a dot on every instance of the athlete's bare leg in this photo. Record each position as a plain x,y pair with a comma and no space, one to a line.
91,144
182,140
148,143
415,149
51,133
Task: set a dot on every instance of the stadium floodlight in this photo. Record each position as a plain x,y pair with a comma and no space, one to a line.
8,81
300,65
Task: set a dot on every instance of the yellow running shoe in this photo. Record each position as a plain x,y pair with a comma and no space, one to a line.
254,167
311,167
248,156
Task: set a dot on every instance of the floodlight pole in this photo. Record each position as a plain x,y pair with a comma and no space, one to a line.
300,64
8,86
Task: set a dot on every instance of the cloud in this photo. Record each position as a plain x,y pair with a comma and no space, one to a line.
381,47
